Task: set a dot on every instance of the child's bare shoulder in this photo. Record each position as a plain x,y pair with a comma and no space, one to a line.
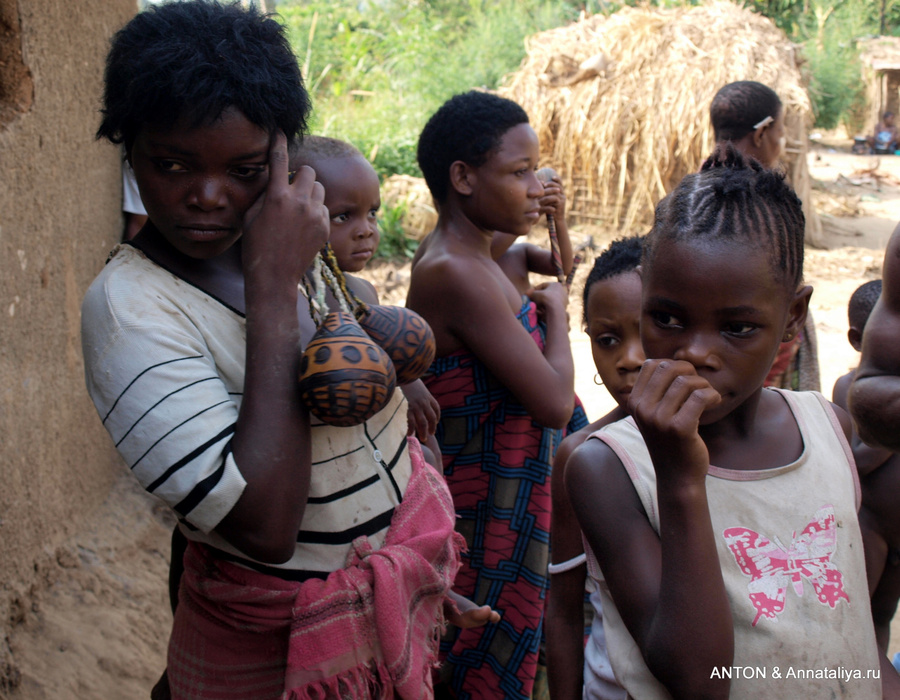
362,288
604,498
462,273
573,441
590,462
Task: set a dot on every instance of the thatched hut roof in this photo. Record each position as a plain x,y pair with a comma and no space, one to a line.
880,59
621,103
880,53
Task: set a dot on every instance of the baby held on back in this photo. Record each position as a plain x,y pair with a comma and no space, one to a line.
353,200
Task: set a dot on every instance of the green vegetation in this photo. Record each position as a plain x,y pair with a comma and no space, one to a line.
378,69
394,242
828,31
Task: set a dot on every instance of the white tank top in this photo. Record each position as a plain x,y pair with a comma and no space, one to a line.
791,554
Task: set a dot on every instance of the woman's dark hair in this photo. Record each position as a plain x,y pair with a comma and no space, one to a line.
623,255
194,60
733,198
738,107
467,127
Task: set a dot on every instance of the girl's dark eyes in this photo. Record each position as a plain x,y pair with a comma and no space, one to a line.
739,329
664,319
607,340
248,172
341,218
242,172
170,166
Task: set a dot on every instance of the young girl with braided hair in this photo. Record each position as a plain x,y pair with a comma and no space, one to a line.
720,518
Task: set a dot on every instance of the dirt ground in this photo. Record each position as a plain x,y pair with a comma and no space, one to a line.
95,625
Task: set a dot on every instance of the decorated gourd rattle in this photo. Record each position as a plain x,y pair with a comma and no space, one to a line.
358,355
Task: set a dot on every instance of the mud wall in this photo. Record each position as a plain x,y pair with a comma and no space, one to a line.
60,212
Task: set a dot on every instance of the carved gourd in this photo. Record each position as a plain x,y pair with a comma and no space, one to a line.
345,377
405,336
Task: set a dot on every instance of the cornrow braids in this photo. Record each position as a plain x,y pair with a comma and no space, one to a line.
734,198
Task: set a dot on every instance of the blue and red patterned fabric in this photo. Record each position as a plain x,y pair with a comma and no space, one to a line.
497,465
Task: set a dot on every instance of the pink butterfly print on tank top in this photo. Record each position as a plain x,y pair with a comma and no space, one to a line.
771,566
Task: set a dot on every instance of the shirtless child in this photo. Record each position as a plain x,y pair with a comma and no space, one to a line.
504,394
875,393
874,398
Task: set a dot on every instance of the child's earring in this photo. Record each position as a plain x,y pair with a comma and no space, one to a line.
788,337
597,380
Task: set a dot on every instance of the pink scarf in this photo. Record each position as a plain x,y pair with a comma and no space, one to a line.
369,630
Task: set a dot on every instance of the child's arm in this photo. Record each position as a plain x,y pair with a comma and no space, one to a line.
432,451
875,393
867,458
424,410
564,619
668,587
363,289
271,442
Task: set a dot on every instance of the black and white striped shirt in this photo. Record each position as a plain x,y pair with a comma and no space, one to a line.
164,365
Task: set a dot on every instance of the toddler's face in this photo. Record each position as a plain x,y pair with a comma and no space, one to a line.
198,182
353,198
613,325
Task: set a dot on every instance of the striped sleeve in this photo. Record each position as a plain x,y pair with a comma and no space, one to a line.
158,392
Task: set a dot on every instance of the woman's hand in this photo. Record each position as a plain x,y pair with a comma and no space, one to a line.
553,203
550,296
288,224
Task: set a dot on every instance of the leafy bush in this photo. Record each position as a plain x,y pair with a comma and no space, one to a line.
377,70
394,243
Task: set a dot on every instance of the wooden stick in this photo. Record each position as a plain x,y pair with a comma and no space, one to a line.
545,175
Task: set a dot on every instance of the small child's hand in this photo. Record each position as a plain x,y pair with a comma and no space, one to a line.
553,203
463,613
667,401
424,410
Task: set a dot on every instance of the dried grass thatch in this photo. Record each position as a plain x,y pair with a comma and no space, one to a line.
880,59
621,103
419,215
